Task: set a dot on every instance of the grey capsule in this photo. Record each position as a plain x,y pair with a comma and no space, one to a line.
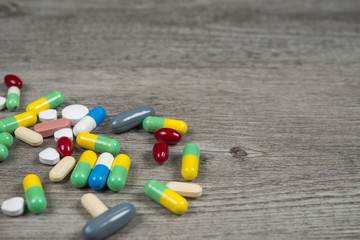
130,119
109,222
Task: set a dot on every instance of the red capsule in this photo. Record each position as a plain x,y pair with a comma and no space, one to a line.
168,135
13,80
65,146
160,152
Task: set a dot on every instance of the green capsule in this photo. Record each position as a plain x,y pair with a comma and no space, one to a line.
82,170
151,124
52,100
119,171
34,194
10,124
6,139
3,152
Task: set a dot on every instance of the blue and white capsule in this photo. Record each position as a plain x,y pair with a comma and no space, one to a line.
100,172
90,121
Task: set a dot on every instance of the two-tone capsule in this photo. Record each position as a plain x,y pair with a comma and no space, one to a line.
190,161
80,175
10,124
90,121
97,143
166,197
14,84
151,124
99,174
119,171
34,194
52,100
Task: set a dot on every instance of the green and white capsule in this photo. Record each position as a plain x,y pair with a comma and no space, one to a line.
119,171
81,173
14,84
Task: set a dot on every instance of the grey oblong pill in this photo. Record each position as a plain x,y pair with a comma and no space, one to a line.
130,119
109,222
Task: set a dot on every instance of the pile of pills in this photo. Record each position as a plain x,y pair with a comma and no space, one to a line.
109,169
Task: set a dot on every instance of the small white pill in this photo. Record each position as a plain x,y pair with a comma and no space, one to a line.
65,132
29,136
48,115
2,103
74,113
49,156
13,206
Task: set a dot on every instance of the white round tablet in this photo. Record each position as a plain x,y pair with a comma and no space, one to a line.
13,206
49,156
48,115
74,113
2,103
65,132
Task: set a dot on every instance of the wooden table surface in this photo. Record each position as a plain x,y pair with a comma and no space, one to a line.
270,91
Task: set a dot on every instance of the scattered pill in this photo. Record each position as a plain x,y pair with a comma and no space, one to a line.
65,132
166,197
47,129
118,174
49,156
6,139
65,146
190,161
186,189
13,207
100,172
105,222
48,115
52,100
14,84
74,113
3,152
62,169
160,152
34,194
80,175
151,124
90,121
28,136
130,119
10,124
97,143
167,135
2,103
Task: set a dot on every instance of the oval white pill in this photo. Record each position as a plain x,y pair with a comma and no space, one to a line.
186,189
49,156
2,103
48,115
29,136
62,169
13,206
65,132
74,113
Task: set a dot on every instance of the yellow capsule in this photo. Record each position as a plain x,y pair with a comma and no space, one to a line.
10,124
190,161
34,194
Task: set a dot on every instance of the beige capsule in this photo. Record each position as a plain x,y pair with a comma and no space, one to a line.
29,136
93,204
186,189
61,169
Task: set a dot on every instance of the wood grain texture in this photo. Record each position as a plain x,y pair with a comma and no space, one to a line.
269,89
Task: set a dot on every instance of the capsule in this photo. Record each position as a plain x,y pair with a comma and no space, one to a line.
4,153
65,146
6,139
10,124
190,161
90,121
14,84
119,171
166,197
52,100
81,173
99,174
160,152
34,194
97,143
151,124
167,135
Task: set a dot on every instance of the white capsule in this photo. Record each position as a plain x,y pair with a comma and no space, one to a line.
87,124
13,206
105,159
65,132
2,103
48,115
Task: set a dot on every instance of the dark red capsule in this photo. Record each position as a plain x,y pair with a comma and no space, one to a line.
13,80
167,135
160,152
65,146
